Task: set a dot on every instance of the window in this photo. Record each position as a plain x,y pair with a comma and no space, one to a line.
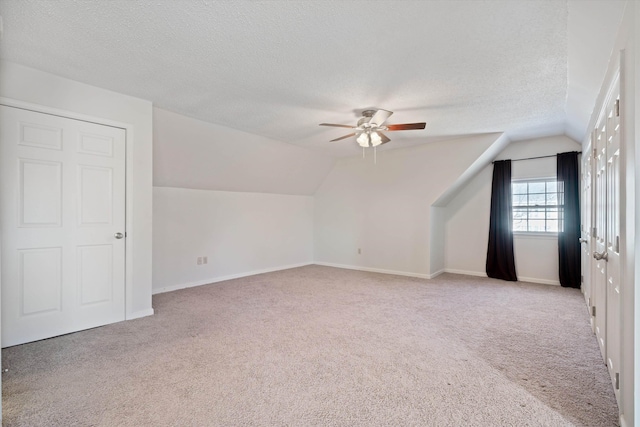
537,206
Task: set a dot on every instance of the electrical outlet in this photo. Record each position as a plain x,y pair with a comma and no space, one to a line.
199,261
205,260
359,251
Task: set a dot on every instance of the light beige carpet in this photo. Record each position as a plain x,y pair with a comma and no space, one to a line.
329,347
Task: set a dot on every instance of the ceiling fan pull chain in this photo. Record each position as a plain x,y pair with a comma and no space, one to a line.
363,152
375,158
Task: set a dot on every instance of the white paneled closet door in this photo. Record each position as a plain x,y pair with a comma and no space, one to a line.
613,269
586,212
63,225
606,260
599,279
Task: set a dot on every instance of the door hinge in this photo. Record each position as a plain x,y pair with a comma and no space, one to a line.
581,279
617,108
617,244
594,231
617,377
593,310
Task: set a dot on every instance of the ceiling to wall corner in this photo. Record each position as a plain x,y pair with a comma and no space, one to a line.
279,68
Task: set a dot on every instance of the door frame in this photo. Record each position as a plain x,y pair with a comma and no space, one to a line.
129,138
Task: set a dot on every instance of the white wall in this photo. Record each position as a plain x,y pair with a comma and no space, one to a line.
437,240
37,87
242,200
240,233
467,227
190,153
385,209
467,224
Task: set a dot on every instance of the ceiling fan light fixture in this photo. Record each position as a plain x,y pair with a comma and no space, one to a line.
369,139
375,139
363,140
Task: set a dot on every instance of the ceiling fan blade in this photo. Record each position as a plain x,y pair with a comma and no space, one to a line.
343,137
337,126
407,126
384,138
380,117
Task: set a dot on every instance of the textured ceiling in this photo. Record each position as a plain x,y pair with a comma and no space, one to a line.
278,68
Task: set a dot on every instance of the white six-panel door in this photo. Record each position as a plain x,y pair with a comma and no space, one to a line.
586,212
613,237
605,260
62,205
599,278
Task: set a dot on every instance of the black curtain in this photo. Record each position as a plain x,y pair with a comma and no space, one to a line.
569,215
500,260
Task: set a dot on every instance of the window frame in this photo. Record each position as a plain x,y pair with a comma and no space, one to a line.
559,207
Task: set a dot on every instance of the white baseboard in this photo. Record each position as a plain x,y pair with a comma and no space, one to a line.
541,281
623,422
327,264
437,273
141,313
377,270
520,278
465,272
223,278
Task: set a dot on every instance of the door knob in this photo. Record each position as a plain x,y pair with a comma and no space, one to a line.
581,240
118,235
598,256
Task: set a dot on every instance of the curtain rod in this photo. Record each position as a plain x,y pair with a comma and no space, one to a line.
533,158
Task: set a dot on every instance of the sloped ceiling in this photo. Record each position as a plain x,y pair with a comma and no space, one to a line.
190,153
278,68
592,28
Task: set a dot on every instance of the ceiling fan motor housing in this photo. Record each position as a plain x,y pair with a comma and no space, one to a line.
366,117
363,122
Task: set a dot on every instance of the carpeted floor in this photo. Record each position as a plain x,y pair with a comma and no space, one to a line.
329,347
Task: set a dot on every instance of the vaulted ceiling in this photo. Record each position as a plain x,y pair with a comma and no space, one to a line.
279,68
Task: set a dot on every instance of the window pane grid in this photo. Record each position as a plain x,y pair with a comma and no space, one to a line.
537,206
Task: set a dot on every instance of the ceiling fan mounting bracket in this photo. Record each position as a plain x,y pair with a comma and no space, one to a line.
363,122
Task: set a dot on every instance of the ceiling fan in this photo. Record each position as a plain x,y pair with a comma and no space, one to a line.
368,131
